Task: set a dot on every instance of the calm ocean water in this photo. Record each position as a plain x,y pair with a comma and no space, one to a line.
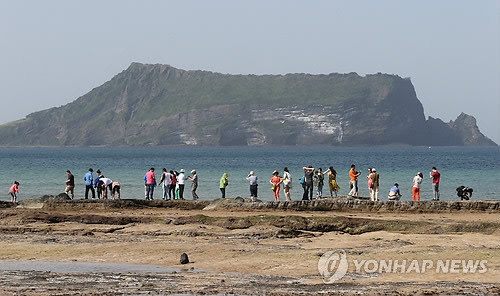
42,170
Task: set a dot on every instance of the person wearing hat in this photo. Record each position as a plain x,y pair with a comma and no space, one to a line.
97,185
194,184
375,185
253,185
89,179
275,182
181,180
417,180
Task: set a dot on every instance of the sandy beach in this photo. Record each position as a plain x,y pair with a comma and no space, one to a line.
237,249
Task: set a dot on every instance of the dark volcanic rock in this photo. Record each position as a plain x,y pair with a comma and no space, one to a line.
184,258
466,129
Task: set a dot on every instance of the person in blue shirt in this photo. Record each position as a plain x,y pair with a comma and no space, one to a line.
89,179
394,194
97,184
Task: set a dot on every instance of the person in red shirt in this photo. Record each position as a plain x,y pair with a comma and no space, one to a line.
13,190
275,182
435,175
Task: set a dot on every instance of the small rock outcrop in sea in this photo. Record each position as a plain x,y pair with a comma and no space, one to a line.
184,258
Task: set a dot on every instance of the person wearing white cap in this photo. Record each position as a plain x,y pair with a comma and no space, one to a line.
181,181
374,185
417,180
253,185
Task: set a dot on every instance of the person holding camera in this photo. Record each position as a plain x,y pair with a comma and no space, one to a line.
435,176
353,183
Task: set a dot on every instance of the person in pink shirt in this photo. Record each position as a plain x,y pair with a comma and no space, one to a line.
13,190
150,183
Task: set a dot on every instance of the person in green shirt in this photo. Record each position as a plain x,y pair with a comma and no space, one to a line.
223,184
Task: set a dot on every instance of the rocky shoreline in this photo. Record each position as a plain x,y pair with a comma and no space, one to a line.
341,204
244,248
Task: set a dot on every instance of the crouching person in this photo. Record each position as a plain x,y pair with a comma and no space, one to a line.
394,194
115,189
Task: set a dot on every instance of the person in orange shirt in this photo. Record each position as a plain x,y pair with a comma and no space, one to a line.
275,182
13,190
353,183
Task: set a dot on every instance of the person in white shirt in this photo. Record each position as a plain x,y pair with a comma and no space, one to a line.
165,181
106,183
417,180
287,182
181,179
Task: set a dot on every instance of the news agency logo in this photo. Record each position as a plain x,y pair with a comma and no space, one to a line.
333,266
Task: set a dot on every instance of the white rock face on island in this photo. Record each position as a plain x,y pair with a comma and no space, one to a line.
150,105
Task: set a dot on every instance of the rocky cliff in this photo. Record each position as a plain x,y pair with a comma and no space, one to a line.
162,105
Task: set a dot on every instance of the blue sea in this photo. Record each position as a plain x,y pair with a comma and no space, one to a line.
43,170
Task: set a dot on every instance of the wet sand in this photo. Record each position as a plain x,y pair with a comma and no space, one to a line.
240,250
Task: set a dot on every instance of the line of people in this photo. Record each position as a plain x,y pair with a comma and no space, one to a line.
315,178
172,183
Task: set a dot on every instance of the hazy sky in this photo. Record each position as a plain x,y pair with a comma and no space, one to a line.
52,52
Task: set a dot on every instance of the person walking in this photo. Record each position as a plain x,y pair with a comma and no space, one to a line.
353,183
332,181
320,179
287,183
150,183
308,179
70,185
435,176
275,183
181,178
194,184
13,190
89,179
415,192
253,185
223,182
375,185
